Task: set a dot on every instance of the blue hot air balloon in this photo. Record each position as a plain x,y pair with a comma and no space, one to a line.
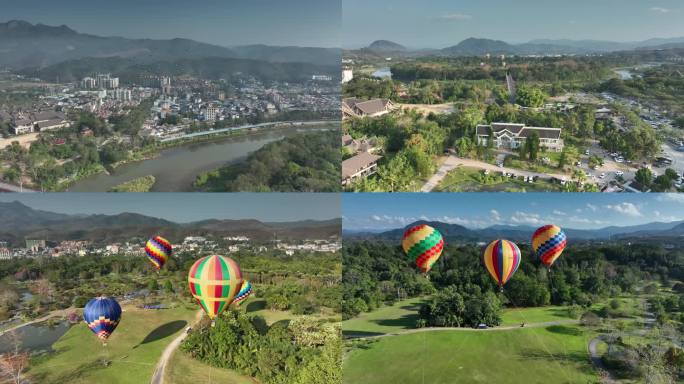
102,315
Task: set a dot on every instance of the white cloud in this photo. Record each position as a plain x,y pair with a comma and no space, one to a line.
376,218
455,16
628,209
495,215
559,213
592,207
525,218
673,197
660,10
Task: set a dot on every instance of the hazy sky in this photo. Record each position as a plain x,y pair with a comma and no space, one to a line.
374,211
442,23
186,207
222,22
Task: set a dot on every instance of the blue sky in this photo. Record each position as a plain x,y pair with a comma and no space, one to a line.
441,23
221,22
187,207
478,210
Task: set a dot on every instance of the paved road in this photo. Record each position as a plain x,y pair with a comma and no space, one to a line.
464,329
603,371
158,375
452,162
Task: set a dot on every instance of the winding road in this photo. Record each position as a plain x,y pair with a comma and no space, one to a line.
158,375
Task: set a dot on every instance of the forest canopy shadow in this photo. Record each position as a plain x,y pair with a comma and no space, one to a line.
256,305
164,330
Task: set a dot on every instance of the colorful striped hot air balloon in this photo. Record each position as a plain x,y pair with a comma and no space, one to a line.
548,242
214,282
158,250
245,291
423,244
502,259
102,315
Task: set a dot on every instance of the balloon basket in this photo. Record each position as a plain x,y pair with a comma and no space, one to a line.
213,323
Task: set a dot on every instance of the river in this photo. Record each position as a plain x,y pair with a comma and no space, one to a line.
175,169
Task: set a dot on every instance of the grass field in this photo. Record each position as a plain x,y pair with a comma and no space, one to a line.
556,354
183,369
534,315
133,349
464,179
400,316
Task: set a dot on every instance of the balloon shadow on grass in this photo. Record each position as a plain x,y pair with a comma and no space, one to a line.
163,331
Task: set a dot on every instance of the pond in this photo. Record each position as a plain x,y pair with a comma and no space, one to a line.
36,337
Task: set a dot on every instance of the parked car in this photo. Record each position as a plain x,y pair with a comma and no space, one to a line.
619,173
602,175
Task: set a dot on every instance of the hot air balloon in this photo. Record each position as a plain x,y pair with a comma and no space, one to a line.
214,283
424,245
245,291
502,259
548,242
102,315
158,250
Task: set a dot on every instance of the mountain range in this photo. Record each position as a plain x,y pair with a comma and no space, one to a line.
478,47
25,45
523,233
20,222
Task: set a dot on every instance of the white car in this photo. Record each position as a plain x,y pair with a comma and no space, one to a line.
602,175
486,172
586,152
619,160
619,173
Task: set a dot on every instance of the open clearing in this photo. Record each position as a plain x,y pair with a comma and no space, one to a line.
133,349
555,354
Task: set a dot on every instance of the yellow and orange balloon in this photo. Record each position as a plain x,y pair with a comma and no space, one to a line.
502,259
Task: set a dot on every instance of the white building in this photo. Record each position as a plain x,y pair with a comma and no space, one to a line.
511,136
347,75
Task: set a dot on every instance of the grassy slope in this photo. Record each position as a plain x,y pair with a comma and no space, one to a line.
542,355
133,349
515,316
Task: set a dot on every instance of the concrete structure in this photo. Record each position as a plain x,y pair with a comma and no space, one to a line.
511,136
362,165
347,75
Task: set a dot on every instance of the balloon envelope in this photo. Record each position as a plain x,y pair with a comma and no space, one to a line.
158,250
214,282
548,242
245,291
423,244
102,315
502,259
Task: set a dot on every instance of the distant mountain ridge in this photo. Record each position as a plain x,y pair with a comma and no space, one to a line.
481,46
21,222
524,233
23,45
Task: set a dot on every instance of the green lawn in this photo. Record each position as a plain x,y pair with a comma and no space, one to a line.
466,179
515,316
556,354
133,349
400,316
183,369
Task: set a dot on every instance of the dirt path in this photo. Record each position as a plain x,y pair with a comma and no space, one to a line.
158,375
596,359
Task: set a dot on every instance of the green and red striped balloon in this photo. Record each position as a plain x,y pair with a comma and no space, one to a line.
214,282
423,244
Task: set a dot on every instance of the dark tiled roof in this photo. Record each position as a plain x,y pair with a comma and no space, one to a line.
544,133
